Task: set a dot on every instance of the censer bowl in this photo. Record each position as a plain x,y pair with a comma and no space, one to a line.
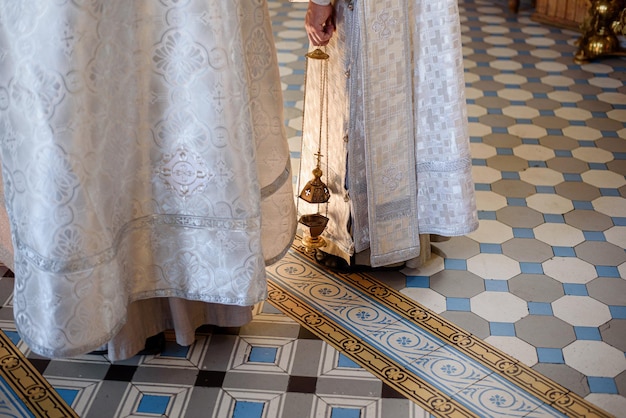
316,223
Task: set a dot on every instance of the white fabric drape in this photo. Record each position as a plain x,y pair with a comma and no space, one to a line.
397,160
144,156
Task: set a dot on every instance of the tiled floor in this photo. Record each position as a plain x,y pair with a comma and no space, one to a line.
543,279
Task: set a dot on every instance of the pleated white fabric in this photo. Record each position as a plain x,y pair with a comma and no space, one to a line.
143,156
397,159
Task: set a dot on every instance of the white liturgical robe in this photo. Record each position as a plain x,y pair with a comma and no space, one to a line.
397,157
145,167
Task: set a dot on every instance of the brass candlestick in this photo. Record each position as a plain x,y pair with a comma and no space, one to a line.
605,20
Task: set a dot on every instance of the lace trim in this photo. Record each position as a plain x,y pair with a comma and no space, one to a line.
87,263
445,166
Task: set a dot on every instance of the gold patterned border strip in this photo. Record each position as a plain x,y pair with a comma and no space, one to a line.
366,356
29,385
522,376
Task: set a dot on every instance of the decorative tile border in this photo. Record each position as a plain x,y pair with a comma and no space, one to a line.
401,376
519,374
28,385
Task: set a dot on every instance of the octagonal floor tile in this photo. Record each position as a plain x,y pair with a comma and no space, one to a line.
558,142
493,266
567,165
552,66
519,217
573,113
519,349
612,143
609,290
520,112
581,311
513,188
545,53
543,104
493,232
457,284
616,235
550,122
295,123
569,270
483,151
601,253
586,90
606,82
582,133
604,124
499,307
475,110
595,67
527,250
485,175
507,163
472,93
534,152
557,81
528,131
617,166
613,404
612,98
457,248
595,358
592,155
567,376
575,190
549,203
540,176
502,140
287,57
432,266
617,114
470,78
588,220
478,129
510,79
614,333
603,178
535,30
282,45
426,297
489,201
514,94
594,105
545,331
610,205
561,235
536,288
469,322
497,121
565,96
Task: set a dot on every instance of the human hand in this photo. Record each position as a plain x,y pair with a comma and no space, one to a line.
319,23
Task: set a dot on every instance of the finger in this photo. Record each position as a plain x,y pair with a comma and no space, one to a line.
317,36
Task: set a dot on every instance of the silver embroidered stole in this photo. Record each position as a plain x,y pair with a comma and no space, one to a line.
388,131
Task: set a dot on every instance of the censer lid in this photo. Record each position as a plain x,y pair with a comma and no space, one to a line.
315,191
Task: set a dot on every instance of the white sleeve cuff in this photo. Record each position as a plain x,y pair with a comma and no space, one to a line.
321,2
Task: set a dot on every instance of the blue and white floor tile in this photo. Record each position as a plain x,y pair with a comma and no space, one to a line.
529,310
